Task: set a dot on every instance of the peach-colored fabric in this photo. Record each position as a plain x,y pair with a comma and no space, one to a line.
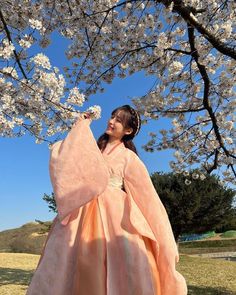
75,164
113,237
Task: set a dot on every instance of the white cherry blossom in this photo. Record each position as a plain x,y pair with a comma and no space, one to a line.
188,47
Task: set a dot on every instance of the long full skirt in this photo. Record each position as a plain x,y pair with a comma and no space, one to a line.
98,252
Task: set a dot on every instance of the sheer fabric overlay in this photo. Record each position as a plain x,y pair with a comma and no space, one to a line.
112,234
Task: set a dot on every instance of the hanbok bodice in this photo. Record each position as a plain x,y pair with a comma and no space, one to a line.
116,181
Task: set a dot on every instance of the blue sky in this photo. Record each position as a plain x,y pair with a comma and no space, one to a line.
24,164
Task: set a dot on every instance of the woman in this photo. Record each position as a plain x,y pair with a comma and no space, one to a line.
112,235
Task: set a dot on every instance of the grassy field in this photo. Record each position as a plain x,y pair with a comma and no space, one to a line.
207,276
16,270
203,276
208,246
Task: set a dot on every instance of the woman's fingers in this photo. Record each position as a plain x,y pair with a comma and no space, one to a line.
83,116
86,115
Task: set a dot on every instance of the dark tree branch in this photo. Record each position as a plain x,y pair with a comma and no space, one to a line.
215,164
70,10
118,62
206,102
178,51
10,40
178,111
232,168
28,129
92,44
187,14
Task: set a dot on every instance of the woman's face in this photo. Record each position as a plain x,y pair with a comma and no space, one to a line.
115,128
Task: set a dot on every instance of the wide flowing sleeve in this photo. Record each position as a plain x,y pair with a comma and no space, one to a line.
139,187
77,169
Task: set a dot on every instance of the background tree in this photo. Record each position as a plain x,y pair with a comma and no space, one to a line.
193,205
196,208
50,199
187,46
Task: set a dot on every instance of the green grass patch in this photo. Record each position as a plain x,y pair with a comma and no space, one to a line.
209,243
190,251
204,276
229,234
207,246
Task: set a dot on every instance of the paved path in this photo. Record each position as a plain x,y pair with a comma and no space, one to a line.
216,255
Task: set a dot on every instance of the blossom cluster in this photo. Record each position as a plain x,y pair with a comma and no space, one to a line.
189,48
75,97
6,49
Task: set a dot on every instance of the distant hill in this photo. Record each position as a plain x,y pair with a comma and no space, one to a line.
29,238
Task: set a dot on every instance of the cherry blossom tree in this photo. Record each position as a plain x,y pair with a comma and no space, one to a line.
188,46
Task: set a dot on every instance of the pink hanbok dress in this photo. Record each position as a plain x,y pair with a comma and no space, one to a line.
112,235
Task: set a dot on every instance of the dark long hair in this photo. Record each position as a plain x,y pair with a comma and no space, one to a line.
130,119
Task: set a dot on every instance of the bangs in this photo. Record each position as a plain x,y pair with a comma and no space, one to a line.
123,115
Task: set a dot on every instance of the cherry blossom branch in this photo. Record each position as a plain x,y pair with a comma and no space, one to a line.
10,40
70,10
91,44
178,111
215,164
24,125
188,15
206,102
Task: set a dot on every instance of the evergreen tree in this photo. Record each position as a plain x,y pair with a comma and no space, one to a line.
51,202
198,207
195,208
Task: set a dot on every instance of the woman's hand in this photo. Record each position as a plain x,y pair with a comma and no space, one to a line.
82,116
86,115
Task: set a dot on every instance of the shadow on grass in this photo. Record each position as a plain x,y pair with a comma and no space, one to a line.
15,276
23,277
201,290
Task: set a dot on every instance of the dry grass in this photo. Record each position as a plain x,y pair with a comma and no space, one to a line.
207,276
25,239
203,276
16,270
